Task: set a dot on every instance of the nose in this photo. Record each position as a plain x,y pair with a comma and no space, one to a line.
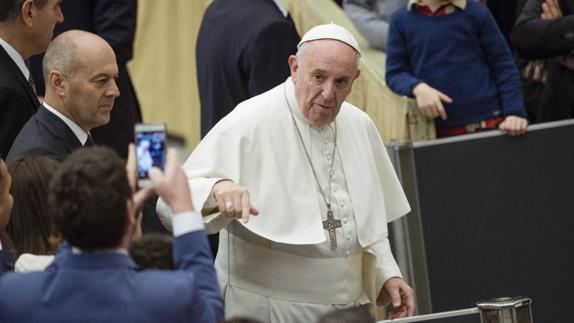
328,92
113,90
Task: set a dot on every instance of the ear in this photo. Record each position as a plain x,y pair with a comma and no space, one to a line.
57,81
353,81
28,12
357,75
293,66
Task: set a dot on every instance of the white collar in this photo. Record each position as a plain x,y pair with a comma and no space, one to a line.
281,7
79,132
292,100
16,57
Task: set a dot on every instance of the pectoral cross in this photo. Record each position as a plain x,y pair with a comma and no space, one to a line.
331,225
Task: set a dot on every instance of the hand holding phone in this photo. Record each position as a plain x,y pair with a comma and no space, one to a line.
150,149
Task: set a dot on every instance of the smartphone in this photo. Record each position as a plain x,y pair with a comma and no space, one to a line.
150,149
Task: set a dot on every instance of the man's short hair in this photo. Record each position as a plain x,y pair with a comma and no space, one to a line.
87,198
153,251
10,9
60,55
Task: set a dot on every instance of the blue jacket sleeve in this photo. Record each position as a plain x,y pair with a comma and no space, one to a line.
399,75
191,253
503,67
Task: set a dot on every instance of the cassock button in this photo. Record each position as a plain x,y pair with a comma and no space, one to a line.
348,237
345,221
342,204
347,253
332,173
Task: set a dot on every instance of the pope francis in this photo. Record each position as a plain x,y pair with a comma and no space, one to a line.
300,186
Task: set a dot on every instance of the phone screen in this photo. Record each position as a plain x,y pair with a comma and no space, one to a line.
150,150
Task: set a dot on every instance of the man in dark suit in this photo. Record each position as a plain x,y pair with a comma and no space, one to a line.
114,21
80,71
93,279
26,28
544,31
241,51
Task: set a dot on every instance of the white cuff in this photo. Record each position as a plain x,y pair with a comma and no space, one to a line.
187,222
0,245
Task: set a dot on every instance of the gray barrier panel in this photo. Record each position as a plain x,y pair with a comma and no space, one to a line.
492,216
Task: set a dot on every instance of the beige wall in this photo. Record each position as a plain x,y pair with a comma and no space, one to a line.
164,74
163,68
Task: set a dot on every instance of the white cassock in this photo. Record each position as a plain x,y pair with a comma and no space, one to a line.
280,267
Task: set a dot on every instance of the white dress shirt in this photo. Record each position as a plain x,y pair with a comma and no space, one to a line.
16,57
79,132
281,7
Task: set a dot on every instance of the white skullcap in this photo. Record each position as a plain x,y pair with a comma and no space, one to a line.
330,31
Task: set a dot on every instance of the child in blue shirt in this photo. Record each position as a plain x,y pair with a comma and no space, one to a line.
451,56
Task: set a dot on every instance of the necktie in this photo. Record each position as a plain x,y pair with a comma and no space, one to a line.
89,142
31,83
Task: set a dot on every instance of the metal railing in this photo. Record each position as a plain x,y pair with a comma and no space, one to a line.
498,310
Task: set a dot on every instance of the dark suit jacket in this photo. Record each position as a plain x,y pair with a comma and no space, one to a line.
242,51
534,38
115,21
107,287
44,134
17,101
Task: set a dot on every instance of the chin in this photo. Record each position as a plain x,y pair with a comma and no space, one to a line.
103,121
321,120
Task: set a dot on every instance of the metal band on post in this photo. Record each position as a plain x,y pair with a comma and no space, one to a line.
506,310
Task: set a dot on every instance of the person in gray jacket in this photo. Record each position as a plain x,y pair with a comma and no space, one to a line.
372,17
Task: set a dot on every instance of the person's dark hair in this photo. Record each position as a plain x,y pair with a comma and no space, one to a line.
31,227
153,251
10,9
88,196
348,315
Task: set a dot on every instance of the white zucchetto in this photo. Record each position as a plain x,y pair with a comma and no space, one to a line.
330,31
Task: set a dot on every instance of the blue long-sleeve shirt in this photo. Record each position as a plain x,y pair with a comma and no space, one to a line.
463,55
